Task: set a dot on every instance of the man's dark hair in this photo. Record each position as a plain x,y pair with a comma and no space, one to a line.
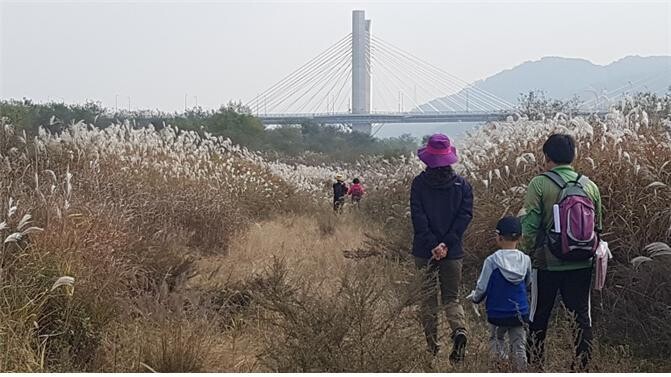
560,149
355,180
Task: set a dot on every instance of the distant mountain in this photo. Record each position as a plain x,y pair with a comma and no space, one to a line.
566,77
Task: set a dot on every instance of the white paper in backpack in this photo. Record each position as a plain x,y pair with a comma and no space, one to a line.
556,218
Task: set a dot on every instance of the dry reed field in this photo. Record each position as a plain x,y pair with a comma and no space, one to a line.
138,250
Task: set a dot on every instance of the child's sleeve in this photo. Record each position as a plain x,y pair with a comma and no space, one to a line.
483,281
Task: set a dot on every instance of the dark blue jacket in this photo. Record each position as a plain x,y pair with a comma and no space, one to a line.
339,191
441,205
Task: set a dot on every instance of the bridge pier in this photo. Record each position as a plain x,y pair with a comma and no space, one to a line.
365,128
360,68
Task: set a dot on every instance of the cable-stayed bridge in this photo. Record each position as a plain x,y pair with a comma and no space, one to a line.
363,80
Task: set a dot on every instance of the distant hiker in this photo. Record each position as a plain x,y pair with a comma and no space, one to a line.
339,192
561,253
442,208
356,191
503,282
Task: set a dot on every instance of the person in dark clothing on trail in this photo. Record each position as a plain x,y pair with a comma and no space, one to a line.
441,209
339,193
553,271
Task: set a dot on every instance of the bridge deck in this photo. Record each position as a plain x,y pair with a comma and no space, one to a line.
346,118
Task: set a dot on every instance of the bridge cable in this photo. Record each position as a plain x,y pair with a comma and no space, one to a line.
446,74
400,83
346,84
409,67
301,69
639,83
303,80
319,79
314,73
451,78
405,66
380,82
340,79
397,78
280,92
337,76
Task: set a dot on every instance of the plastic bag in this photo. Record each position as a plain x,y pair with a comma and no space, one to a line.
603,254
473,305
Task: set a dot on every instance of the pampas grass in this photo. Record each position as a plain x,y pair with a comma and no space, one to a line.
176,241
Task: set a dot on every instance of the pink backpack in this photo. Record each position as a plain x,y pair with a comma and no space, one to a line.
356,191
576,238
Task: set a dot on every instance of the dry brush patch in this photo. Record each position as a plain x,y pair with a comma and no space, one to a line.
193,254
630,160
125,212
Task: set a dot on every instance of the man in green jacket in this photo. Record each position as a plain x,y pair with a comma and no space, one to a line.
550,274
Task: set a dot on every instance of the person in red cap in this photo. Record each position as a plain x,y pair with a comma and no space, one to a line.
441,205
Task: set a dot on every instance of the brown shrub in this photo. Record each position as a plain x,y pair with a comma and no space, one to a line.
125,220
176,347
365,325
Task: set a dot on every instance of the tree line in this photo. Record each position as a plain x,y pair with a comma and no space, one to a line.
233,121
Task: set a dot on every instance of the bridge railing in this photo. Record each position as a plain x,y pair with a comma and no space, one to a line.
381,113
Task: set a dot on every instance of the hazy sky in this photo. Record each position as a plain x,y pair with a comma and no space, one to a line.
158,51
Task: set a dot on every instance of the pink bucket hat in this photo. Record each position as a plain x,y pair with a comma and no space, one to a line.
438,152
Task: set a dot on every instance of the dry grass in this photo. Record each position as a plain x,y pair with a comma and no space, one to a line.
300,320
126,212
192,254
297,240
629,161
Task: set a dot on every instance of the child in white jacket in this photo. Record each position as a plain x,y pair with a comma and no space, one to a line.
503,282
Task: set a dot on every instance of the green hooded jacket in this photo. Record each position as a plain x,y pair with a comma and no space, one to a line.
541,195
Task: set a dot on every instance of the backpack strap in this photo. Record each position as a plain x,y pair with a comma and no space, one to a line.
578,179
583,180
555,178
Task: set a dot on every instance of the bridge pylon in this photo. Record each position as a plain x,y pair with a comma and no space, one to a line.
361,69
335,88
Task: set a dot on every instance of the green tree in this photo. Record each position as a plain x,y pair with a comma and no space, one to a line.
536,106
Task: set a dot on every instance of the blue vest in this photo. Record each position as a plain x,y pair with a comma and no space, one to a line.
507,303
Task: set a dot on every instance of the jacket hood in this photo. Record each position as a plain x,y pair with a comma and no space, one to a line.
513,264
441,178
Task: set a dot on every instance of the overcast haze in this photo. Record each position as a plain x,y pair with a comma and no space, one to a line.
155,52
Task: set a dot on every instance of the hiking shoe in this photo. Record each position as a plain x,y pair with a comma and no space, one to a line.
459,348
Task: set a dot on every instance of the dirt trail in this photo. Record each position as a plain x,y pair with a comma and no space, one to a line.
311,251
312,246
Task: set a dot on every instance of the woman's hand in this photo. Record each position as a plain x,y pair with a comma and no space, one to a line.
439,252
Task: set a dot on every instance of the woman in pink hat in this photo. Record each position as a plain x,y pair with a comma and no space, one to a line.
441,204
